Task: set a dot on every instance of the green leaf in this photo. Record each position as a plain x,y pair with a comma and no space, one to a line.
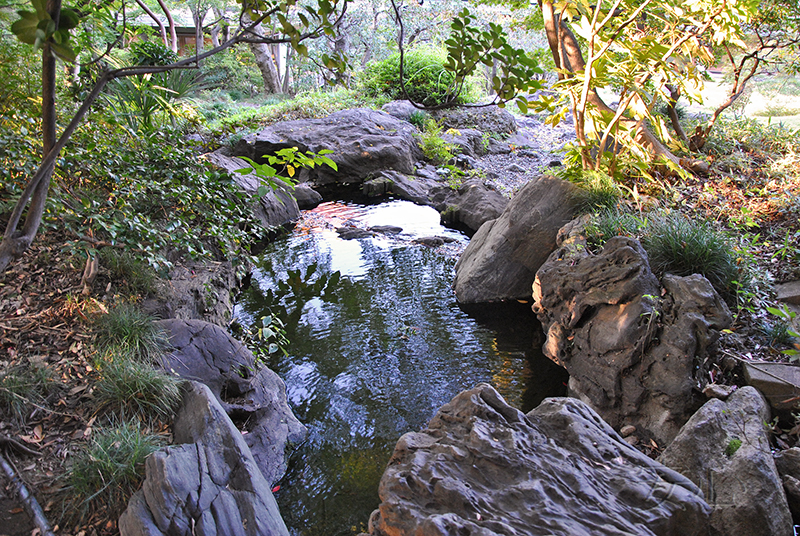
25,27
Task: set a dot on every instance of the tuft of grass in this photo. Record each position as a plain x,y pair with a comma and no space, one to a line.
132,331
110,468
138,276
777,332
130,388
598,190
21,387
680,246
611,222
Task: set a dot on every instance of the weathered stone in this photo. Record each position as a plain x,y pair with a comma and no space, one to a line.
306,196
468,141
501,260
714,390
472,205
779,382
414,188
195,291
724,449
402,109
789,292
630,352
255,398
788,464
484,468
208,483
363,142
491,119
275,208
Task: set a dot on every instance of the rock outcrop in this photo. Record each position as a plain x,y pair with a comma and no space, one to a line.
363,142
490,119
484,468
255,399
788,464
724,449
630,349
502,258
207,483
470,206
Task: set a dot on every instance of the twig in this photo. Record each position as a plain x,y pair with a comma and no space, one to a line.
5,440
31,504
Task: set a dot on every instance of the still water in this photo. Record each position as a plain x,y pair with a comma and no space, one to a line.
377,345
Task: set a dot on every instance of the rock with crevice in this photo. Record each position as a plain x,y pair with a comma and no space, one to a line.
482,467
501,260
207,483
253,396
725,450
631,348
363,142
470,205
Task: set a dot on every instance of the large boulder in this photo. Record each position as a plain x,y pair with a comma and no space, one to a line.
630,349
363,142
471,205
501,260
207,483
275,208
482,467
253,397
788,464
487,119
724,449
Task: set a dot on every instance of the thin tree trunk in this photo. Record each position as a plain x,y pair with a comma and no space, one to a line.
173,34
266,64
160,24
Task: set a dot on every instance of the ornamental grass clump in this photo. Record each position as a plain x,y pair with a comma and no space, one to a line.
680,246
127,329
108,470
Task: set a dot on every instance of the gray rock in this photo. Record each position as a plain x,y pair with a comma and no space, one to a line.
195,291
402,109
306,196
208,483
789,292
788,464
779,382
630,353
415,188
277,207
255,398
472,205
501,260
468,141
363,142
484,468
498,147
490,119
386,229
740,483
353,233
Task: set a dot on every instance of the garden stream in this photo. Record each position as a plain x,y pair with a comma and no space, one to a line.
377,343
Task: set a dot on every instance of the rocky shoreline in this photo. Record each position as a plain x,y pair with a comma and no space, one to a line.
631,343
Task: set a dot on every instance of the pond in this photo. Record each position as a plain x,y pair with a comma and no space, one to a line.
377,343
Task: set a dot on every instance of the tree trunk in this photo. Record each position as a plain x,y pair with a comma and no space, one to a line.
262,53
15,243
160,24
198,16
569,60
173,34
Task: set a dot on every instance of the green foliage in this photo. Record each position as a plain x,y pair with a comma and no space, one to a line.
598,191
435,149
131,388
681,246
748,135
610,222
427,81
20,81
272,332
37,28
418,118
152,53
21,387
110,469
232,71
125,329
787,329
732,446
289,159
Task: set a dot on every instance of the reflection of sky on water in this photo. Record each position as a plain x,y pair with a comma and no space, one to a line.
374,354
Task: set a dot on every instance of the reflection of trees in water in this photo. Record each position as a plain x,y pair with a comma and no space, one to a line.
371,357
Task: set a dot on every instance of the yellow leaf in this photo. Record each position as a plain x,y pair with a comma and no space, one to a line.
290,169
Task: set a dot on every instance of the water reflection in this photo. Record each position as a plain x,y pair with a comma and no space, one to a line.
378,344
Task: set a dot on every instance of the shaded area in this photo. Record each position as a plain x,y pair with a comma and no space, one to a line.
378,344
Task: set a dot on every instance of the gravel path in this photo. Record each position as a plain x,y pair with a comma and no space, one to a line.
535,148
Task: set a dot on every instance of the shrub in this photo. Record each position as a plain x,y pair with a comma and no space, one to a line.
611,222
110,469
681,246
597,191
128,330
435,149
152,53
426,79
130,388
